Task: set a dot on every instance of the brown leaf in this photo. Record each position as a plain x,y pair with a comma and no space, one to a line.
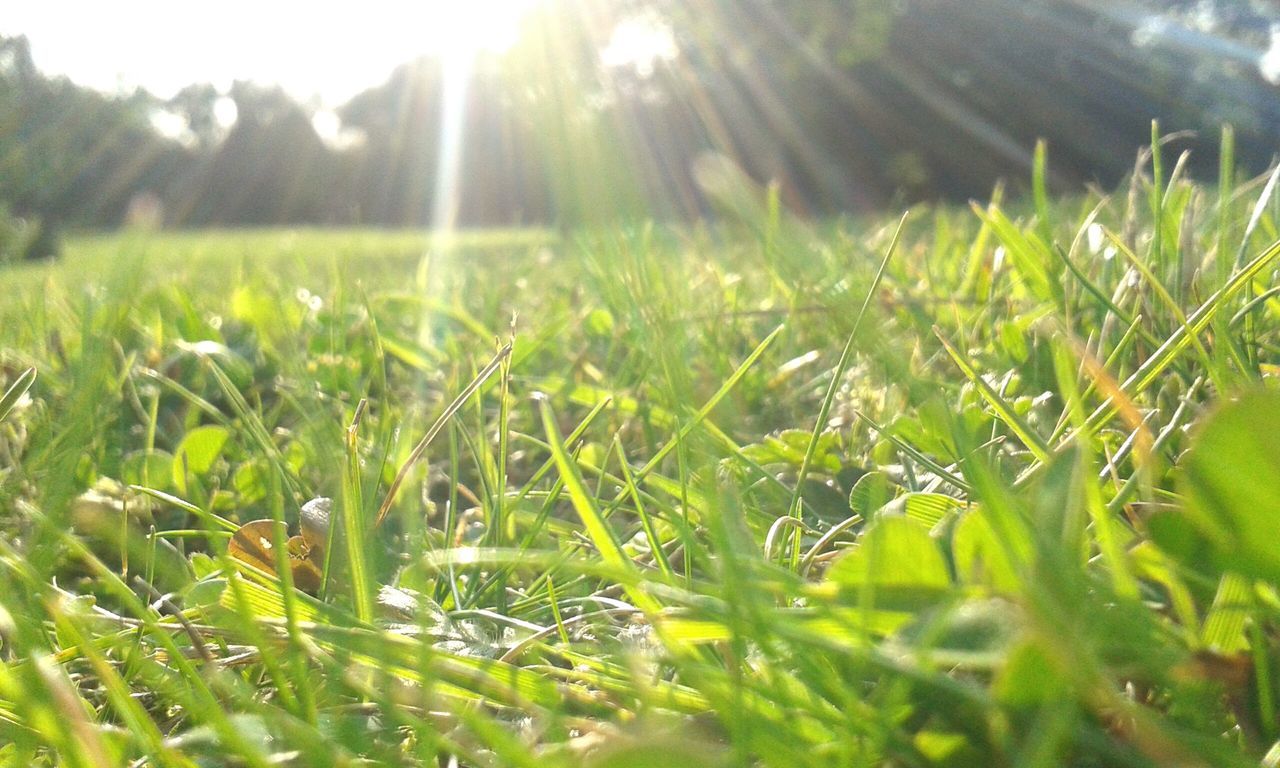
305,563
252,546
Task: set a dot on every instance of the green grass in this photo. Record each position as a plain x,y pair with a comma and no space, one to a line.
1027,517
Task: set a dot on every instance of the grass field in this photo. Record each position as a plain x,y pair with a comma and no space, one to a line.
981,487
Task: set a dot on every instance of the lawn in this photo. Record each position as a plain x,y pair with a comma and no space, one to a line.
973,487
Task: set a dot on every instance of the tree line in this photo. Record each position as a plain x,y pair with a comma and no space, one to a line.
846,105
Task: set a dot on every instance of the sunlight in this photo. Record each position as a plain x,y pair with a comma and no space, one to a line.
640,42
463,30
116,47
459,33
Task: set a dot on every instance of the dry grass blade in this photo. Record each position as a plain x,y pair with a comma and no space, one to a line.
421,447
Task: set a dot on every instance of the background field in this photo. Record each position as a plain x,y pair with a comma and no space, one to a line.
981,487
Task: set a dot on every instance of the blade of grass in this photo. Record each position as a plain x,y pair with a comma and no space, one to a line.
498,528
1003,411
256,428
1226,185
1040,190
1159,360
354,524
421,447
706,409
130,710
650,530
915,453
1255,218
1103,530
201,699
597,527
16,391
1157,196
1171,305
1224,627
837,377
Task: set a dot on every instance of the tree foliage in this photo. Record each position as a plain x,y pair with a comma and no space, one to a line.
845,105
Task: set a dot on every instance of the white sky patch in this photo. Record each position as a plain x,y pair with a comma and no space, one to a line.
1269,63
328,127
641,41
170,125
313,49
1150,31
225,112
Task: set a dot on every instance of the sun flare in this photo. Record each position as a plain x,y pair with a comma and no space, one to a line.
463,30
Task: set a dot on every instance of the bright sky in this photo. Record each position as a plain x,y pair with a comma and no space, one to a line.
324,49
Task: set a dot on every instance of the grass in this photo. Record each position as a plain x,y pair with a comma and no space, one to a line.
1026,517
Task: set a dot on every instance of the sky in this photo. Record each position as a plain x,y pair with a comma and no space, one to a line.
316,50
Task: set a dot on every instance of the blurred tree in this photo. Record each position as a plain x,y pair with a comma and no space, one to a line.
16,64
69,155
271,168
603,108
847,103
17,235
197,104
399,121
